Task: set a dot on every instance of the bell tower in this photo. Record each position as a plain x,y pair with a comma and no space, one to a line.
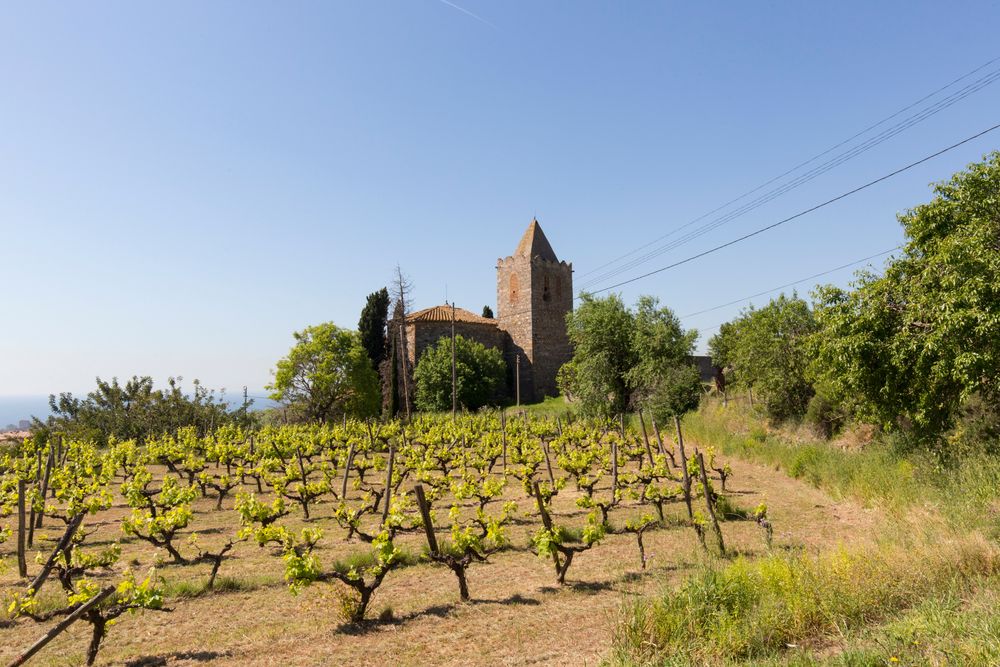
534,294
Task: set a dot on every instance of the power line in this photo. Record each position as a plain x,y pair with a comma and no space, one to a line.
800,213
837,160
778,224
791,185
988,79
796,282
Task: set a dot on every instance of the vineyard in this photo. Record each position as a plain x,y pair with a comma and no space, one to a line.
506,531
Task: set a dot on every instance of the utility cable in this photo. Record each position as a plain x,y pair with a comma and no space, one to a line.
793,283
885,135
799,214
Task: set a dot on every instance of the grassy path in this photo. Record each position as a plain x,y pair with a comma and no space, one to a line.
917,586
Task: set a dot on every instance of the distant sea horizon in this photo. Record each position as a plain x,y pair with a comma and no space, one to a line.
15,408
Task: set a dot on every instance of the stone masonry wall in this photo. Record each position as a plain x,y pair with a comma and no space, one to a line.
533,297
552,299
421,335
514,317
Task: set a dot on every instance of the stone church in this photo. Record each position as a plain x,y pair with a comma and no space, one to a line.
534,294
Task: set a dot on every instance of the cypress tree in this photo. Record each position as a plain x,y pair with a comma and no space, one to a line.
391,366
372,326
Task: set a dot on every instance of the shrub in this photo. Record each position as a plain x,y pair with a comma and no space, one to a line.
825,416
977,431
480,375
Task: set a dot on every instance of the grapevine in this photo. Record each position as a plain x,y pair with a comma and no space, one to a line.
296,490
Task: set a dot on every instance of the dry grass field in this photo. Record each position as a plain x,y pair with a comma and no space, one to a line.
518,615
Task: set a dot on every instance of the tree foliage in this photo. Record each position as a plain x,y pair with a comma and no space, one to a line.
623,357
658,341
600,330
480,375
663,379
672,392
136,410
720,347
372,326
767,349
326,375
908,348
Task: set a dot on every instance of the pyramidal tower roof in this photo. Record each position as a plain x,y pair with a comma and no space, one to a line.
534,244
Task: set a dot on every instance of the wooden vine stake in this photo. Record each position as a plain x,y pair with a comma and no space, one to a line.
503,435
548,464
22,564
614,470
347,471
64,543
305,481
684,468
49,465
456,562
425,514
65,623
710,504
546,523
645,437
31,513
659,441
388,482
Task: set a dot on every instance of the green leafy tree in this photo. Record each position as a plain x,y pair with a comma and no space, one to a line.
372,326
720,346
566,380
768,347
907,349
601,331
135,410
480,375
720,349
621,356
663,380
672,393
327,374
487,312
659,343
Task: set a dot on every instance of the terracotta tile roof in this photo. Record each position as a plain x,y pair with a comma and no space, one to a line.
534,244
443,314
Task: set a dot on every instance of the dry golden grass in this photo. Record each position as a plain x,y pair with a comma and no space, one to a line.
518,615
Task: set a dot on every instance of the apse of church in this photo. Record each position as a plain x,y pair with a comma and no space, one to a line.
534,295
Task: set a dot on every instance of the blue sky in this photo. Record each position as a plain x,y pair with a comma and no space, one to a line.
183,185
